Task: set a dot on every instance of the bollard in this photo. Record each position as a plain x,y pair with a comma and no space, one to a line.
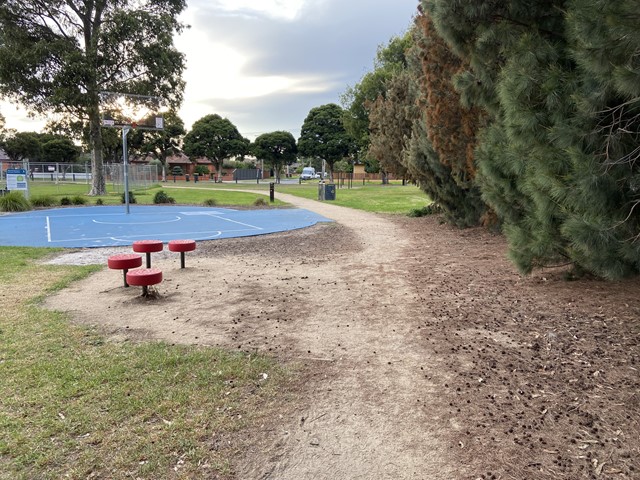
272,188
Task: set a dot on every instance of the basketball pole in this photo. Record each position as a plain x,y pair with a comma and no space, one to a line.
125,166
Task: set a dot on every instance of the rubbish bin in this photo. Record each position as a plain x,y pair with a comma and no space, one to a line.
330,191
326,191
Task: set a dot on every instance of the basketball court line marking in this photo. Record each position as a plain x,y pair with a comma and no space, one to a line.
177,219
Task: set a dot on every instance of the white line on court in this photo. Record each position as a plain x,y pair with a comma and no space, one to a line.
48,231
239,223
209,235
176,219
126,238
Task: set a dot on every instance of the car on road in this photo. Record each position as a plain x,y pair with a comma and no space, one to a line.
308,173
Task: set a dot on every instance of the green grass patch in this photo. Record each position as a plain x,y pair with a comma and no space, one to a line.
220,195
77,406
396,199
372,197
182,193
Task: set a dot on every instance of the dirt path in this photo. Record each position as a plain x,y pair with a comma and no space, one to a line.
426,355
330,302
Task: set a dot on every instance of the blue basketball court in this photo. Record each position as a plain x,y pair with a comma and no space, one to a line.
109,226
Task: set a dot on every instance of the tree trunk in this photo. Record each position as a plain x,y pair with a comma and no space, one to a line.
98,186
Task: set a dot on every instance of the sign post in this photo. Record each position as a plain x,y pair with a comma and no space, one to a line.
17,180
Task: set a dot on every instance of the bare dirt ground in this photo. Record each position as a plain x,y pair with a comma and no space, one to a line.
422,353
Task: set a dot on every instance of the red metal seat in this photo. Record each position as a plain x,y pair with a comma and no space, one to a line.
182,246
147,247
124,261
144,277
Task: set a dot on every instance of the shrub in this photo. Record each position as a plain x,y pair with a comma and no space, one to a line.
99,202
260,202
78,200
14,202
201,170
162,197
65,201
210,202
430,209
132,198
43,201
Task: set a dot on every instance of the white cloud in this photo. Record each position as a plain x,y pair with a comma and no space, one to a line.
278,9
17,118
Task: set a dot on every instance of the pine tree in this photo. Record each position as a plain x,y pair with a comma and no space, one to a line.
390,122
557,158
443,161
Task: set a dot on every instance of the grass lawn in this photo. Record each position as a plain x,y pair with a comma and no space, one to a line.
372,197
191,196
75,406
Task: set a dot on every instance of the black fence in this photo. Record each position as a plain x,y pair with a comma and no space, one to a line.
247,174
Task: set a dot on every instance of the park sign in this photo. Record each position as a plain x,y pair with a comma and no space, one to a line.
17,179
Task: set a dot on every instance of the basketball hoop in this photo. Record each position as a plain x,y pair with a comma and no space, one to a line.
143,112
129,111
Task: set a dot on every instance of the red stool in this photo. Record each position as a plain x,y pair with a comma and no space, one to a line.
147,246
124,261
182,246
143,277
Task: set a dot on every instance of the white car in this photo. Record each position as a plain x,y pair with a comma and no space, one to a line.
308,173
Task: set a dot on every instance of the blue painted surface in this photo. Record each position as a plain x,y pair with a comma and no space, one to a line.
108,226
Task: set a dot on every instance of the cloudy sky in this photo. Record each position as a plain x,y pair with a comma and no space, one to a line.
265,63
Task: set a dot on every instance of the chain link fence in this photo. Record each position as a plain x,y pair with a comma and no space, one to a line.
140,176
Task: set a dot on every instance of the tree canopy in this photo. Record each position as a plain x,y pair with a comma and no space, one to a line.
57,56
323,135
557,158
358,100
277,149
160,144
215,138
23,146
40,147
440,153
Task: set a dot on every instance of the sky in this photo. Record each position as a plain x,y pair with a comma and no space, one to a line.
263,64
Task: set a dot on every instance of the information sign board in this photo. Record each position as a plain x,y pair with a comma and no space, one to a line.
17,179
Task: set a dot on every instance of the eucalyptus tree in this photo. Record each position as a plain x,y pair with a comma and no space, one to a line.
57,56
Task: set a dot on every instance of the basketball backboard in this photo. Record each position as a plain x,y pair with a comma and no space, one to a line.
121,110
